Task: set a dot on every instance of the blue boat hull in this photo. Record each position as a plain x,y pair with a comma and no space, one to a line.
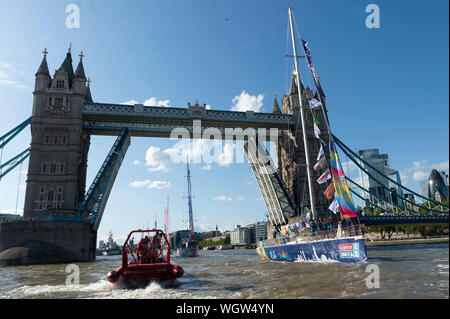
341,250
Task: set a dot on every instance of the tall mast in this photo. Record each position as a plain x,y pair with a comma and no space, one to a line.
305,139
167,218
191,217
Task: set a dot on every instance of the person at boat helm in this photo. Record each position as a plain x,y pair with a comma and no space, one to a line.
142,251
155,247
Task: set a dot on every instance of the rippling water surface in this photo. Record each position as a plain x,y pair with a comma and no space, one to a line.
407,271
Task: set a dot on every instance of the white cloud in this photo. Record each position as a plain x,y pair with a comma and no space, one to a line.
246,102
421,170
240,197
159,184
157,159
5,65
206,167
420,176
8,75
131,102
149,102
3,75
208,107
440,166
150,184
418,166
136,162
202,151
140,183
154,102
223,198
404,178
226,157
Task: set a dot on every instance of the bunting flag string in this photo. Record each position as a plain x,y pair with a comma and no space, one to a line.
343,198
314,104
321,152
322,163
329,192
316,127
324,177
334,206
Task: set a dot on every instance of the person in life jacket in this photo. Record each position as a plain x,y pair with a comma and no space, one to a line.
142,251
155,247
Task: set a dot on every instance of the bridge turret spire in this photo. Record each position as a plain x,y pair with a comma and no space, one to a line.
293,89
79,73
88,91
67,67
43,68
276,107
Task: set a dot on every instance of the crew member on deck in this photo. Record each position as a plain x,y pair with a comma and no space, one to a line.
142,251
155,247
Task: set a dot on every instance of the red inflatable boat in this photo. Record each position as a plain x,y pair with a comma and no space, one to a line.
150,261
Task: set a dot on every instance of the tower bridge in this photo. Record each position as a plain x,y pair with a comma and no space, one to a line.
61,219
157,121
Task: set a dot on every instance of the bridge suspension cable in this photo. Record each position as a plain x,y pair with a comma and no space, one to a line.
358,160
18,159
5,139
12,163
402,209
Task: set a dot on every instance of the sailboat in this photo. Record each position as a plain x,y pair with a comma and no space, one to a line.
338,236
187,247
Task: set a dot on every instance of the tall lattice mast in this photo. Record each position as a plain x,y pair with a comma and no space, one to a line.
191,216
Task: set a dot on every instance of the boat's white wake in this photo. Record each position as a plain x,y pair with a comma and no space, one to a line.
102,289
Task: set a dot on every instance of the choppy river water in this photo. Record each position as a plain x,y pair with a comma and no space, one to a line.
406,271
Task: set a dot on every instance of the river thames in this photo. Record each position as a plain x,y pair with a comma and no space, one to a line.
406,271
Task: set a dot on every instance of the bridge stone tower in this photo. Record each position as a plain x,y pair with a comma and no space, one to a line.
59,146
291,152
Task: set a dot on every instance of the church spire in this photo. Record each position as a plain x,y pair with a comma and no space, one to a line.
43,68
276,107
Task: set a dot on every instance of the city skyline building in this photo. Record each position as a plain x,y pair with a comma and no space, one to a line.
436,186
379,191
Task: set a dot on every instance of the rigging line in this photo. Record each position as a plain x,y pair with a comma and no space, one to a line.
286,59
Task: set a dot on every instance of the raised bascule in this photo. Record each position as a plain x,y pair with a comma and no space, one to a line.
61,219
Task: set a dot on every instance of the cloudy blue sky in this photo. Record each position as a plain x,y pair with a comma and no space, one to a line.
386,88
